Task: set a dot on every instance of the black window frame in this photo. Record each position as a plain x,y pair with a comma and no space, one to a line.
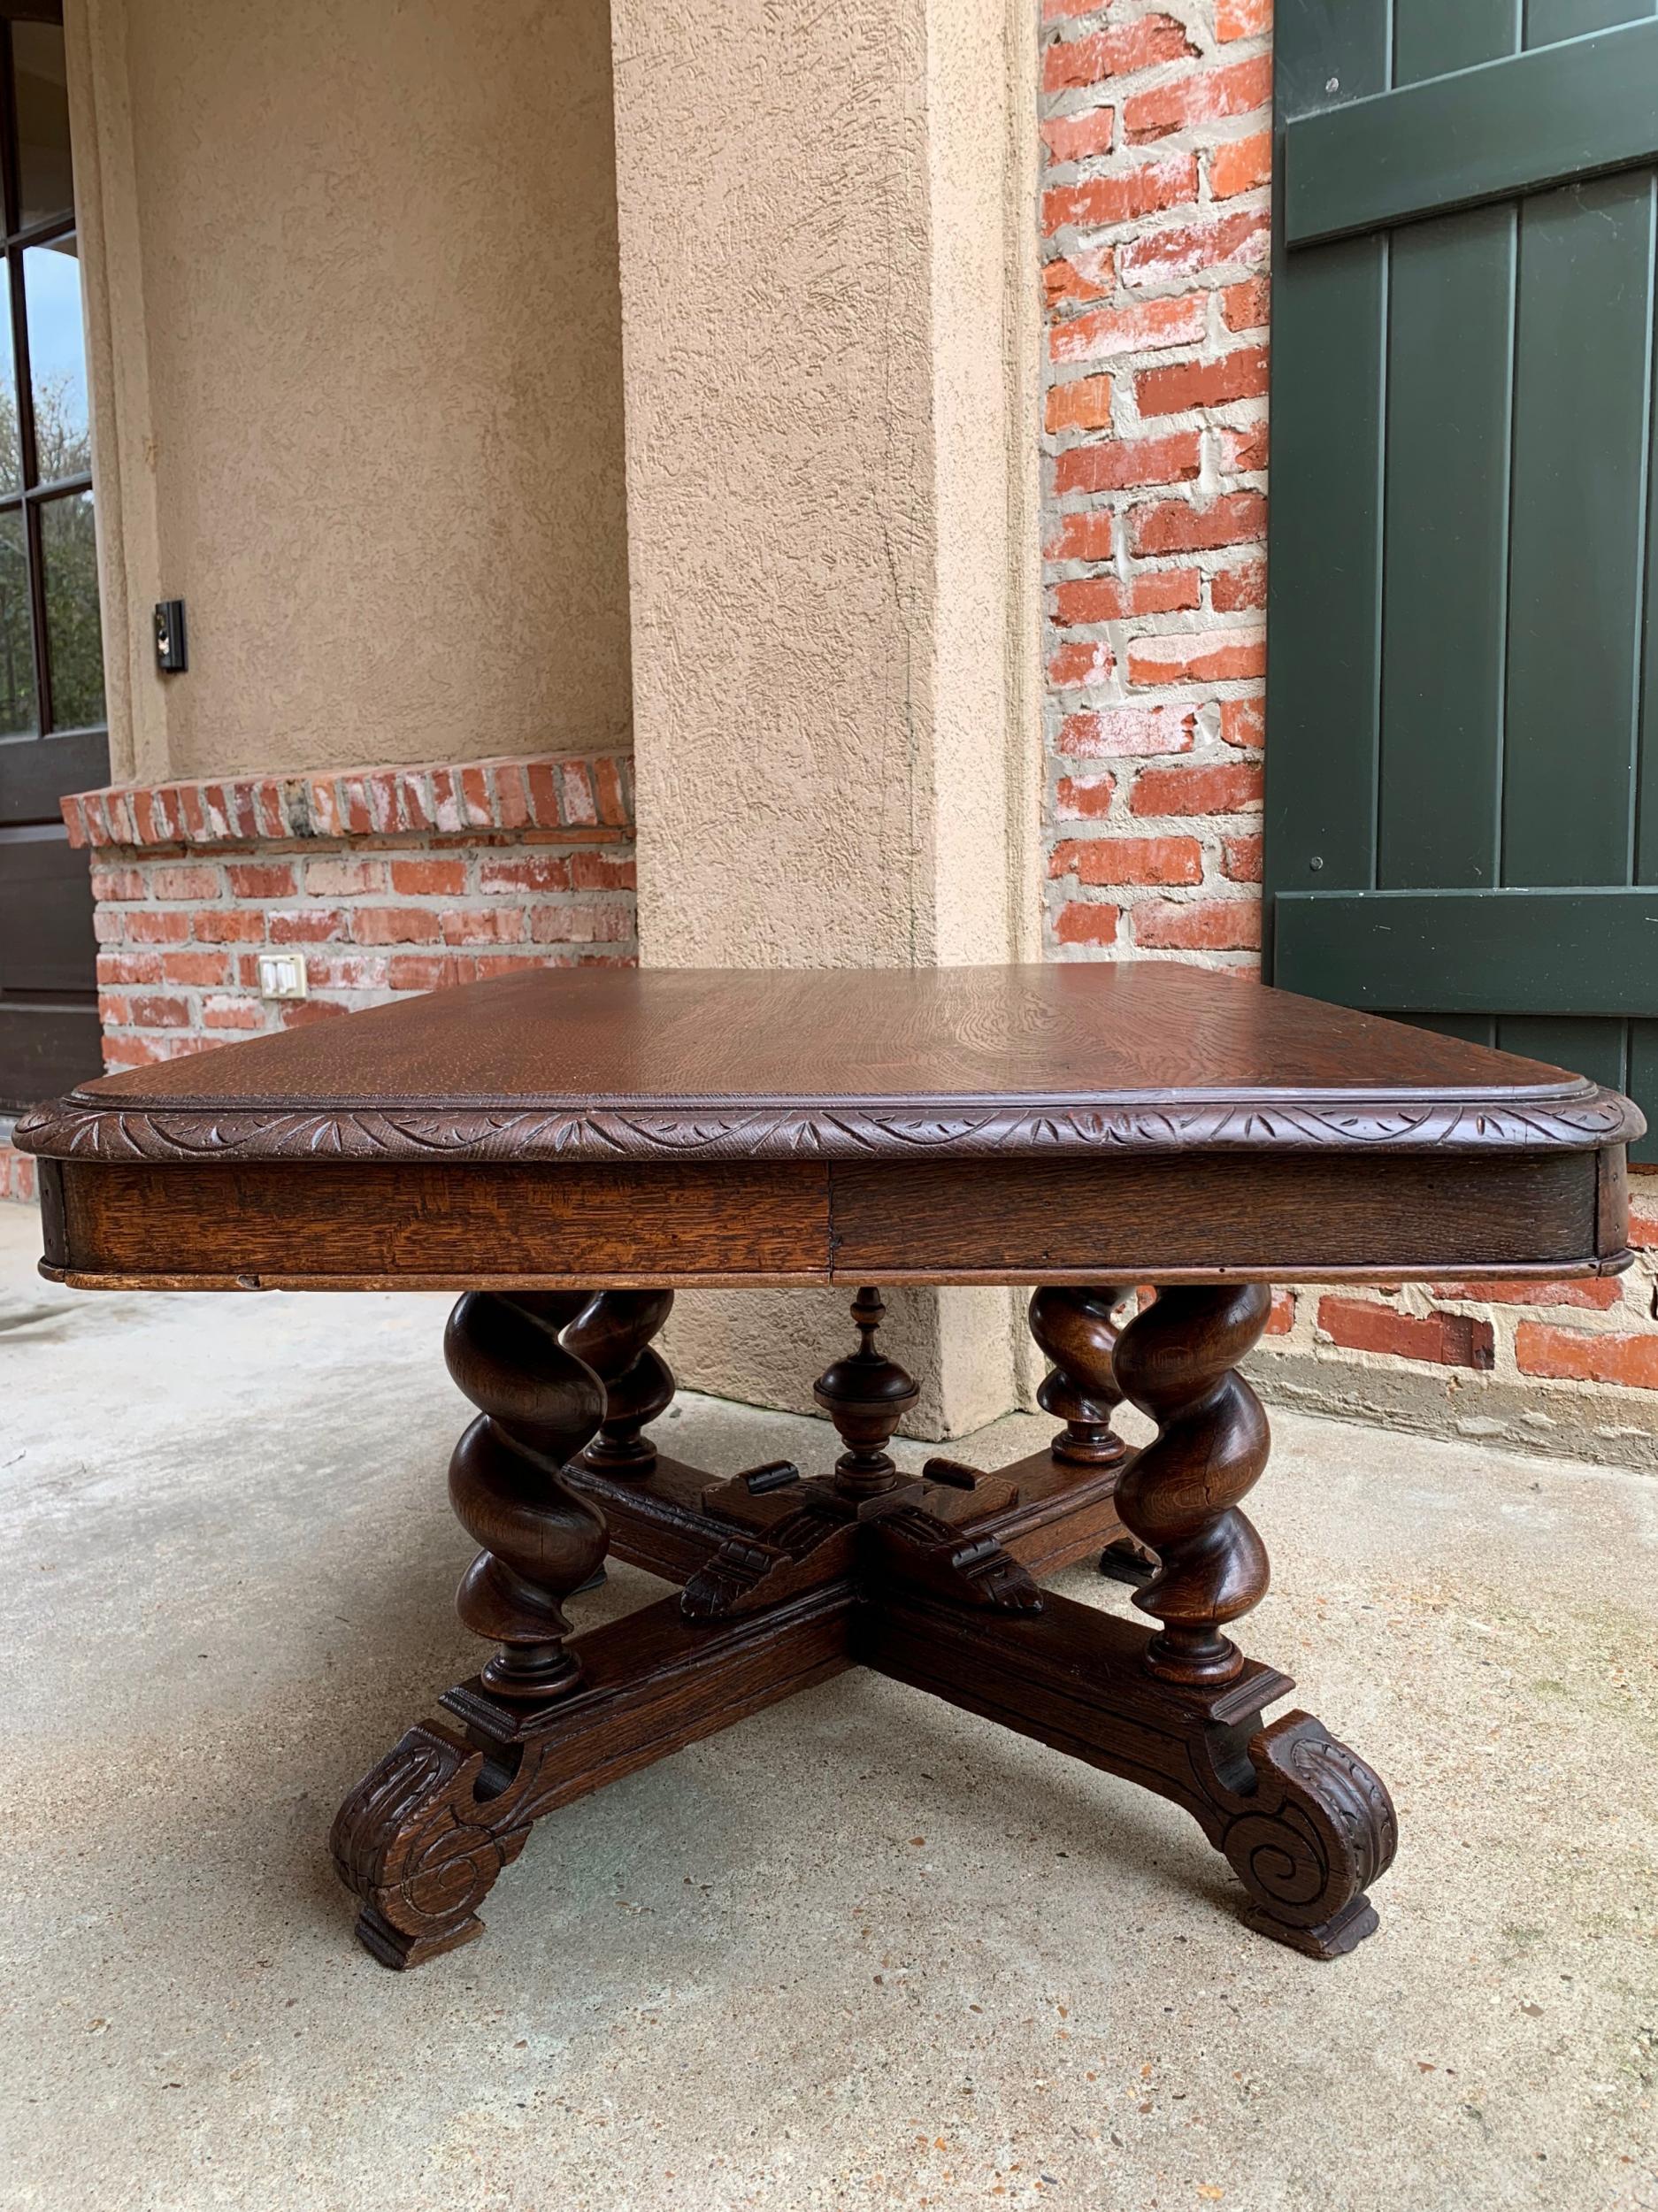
34,496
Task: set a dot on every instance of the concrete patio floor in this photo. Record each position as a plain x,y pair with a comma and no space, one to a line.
862,1951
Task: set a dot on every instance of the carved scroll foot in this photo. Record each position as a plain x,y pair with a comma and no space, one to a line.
392,1947
422,1838
417,1845
1317,1831
1303,1822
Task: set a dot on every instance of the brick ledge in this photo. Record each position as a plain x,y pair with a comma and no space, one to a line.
575,794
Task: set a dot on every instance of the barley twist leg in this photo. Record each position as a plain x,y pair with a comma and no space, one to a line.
1176,1362
539,1405
612,1335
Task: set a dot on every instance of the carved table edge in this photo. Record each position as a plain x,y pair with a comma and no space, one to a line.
81,1127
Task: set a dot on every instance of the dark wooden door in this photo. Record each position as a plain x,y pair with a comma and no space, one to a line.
52,738
49,1020
1463,701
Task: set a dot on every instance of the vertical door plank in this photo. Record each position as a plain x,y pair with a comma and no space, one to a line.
1578,543
1324,564
1577,558
1643,1086
1641,1050
1450,389
1449,383
1586,1044
1329,321
1495,718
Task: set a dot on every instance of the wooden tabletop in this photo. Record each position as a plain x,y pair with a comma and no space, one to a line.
748,1063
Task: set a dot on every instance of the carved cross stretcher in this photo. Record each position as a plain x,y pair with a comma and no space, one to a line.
567,1148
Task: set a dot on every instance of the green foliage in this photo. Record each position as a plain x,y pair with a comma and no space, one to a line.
69,545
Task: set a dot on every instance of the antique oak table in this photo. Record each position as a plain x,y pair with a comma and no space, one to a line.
567,1148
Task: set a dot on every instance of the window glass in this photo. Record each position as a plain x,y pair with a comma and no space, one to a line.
17,650
51,673
10,448
57,360
74,650
45,184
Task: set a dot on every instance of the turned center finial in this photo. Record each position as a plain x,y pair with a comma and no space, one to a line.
866,1395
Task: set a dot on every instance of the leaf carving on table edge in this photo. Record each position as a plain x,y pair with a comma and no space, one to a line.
117,1133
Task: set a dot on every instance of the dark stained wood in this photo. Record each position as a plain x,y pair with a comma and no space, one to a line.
1194,1218
1074,1328
917,1549
567,1147
912,1578
866,1396
1304,1823
1058,1515
54,1222
795,1533
752,1572
1611,1222
657,1521
612,1334
1056,1124
539,1406
1176,1362
667,1064
269,1225
424,1835
1046,1514
1276,1216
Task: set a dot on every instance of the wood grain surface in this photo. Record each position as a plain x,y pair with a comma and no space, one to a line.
340,1225
654,1130
564,1063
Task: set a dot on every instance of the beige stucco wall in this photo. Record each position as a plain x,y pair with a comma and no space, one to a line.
830,343
356,351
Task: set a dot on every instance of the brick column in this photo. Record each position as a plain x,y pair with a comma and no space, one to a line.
1155,221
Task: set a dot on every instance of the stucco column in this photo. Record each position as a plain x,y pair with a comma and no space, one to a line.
830,346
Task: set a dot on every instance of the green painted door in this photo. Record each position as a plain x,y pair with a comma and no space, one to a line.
1462,697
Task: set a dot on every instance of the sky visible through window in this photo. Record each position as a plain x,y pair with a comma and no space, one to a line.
51,675
58,361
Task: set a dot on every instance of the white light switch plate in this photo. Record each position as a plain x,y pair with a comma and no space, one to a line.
282,975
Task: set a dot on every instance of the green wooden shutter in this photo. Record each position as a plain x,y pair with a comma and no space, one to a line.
1461,811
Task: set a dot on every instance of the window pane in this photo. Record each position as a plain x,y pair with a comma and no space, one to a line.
17,650
10,453
57,360
45,185
73,647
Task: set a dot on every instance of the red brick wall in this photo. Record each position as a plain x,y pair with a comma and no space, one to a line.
388,880
1156,220
1156,188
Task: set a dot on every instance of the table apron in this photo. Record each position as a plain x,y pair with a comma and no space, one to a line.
1376,1215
